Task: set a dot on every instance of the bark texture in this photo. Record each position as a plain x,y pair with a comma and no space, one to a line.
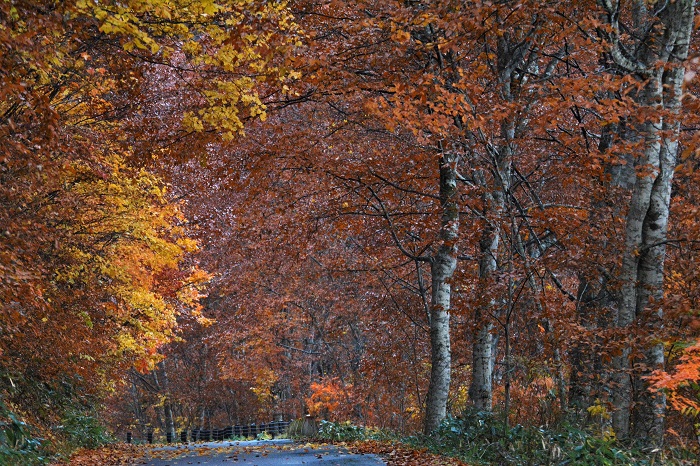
443,265
481,388
510,57
657,59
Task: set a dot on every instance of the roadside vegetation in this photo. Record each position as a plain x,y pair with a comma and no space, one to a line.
481,438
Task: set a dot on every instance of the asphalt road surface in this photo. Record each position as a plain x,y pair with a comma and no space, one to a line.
257,453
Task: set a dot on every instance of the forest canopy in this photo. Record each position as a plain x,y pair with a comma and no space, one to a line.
393,213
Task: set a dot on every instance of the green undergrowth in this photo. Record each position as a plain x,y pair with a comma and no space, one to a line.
82,429
483,439
346,431
21,444
40,423
18,445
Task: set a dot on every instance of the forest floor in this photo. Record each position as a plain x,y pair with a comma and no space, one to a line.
360,453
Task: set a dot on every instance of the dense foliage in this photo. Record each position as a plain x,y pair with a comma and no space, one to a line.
93,249
408,213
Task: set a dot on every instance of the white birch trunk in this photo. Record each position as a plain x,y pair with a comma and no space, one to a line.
642,271
639,205
443,265
484,347
648,417
481,388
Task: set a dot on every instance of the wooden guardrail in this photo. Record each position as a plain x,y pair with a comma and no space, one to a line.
274,428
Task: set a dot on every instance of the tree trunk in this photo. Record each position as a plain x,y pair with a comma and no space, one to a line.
634,242
481,388
639,413
443,265
483,354
167,403
138,408
494,198
649,417
588,377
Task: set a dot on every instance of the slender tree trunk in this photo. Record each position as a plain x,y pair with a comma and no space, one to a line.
167,403
649,418
443,265
509,57
594,299
138,407
587,374
481,388
494,198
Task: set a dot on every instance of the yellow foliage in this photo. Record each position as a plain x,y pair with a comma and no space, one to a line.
124,239
460,399
214,35
264,379
598,409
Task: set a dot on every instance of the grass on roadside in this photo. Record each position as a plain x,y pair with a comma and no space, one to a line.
478,438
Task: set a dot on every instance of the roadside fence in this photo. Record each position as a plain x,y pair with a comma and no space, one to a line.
274,429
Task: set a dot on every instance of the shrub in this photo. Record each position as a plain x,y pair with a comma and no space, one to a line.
341,431
83,430
346,431
484,438
303,428
17,445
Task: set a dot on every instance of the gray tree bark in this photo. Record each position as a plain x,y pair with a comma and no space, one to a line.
162,386
167,403
483,351
657,60
443,264
512,56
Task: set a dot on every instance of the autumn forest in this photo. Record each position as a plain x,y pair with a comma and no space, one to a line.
402,214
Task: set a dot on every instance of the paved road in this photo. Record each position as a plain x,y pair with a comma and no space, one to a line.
257,453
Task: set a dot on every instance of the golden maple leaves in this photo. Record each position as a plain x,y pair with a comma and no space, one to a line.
123,237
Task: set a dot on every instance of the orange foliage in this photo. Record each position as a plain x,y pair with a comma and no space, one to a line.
321,226
330,399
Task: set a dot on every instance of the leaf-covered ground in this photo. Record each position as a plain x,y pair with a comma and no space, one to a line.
110,455
397,454
394,454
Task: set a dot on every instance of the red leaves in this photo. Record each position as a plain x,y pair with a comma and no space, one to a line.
321,227
330,399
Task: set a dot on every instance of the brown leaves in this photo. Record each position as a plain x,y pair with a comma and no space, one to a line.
397,454
112,455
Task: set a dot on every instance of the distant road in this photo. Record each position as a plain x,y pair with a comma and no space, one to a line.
257,453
